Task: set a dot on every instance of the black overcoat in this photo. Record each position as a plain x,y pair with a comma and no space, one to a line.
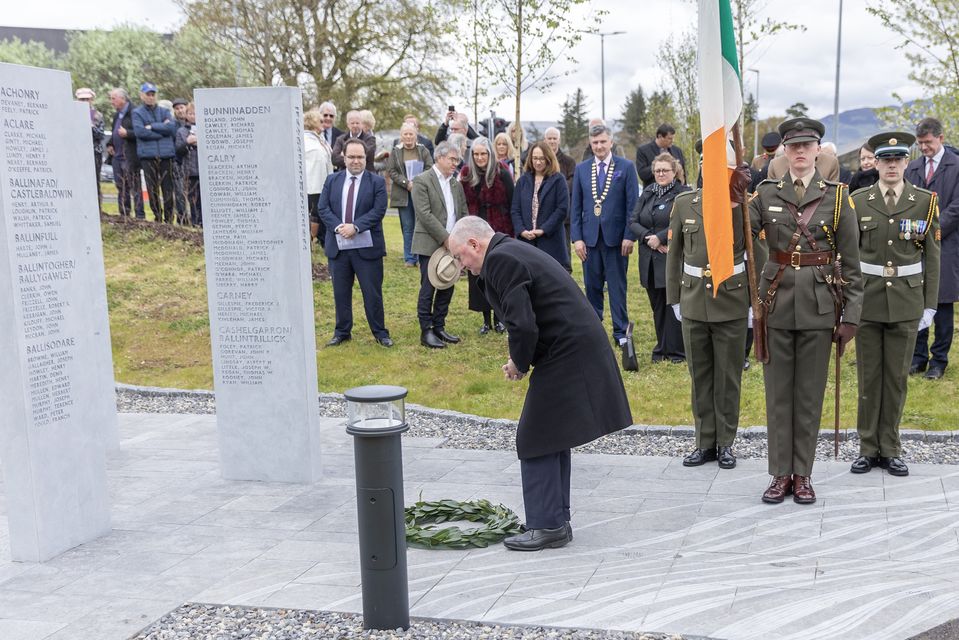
651,216
576,392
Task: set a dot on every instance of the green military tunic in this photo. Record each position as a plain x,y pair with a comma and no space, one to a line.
714,329
892,305
801,317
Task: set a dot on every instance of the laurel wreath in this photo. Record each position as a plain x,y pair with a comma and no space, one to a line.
498,522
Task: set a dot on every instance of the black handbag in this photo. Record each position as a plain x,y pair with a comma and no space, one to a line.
630,363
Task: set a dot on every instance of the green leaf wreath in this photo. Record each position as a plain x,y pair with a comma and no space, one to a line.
498,522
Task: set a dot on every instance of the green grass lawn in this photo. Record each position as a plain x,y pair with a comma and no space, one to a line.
161,337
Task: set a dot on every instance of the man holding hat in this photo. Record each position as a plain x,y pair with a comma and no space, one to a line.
155,130
85,94
899,252
438,202
811,290
575,391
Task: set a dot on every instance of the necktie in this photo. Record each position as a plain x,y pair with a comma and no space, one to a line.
601,176
930,171
890,200
800,189
348,214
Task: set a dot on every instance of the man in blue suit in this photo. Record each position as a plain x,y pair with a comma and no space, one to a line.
605,191
938,170
352,206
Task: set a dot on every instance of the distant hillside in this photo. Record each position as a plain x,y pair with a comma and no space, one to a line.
855,127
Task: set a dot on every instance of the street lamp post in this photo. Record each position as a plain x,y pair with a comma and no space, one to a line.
835,104
756,117
602,62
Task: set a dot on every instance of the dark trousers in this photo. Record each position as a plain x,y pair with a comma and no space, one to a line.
546,489
795,380
669,331
312,204
159,176
349,266
124,191
179,199
407,224
883,351
433,304
942,326
196,203
131,177
98,164
607,265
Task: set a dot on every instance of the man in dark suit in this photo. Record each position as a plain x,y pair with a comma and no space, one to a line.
352,206
438,202
938,171
663,143
605,191
128,187
328,117
575,391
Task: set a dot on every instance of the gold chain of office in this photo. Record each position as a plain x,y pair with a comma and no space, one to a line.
598,201
497,522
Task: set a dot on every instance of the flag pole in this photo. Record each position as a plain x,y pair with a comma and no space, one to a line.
758,334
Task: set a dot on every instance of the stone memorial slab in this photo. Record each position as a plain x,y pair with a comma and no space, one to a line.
259,282
57,401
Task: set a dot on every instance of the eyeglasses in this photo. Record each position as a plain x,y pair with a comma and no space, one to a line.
663,171
329,115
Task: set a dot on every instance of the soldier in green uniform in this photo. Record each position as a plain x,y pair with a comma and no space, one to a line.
899,254
714,328
808,224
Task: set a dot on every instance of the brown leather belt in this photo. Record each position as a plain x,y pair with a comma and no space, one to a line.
798,259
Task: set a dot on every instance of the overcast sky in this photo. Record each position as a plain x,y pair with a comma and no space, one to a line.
793,67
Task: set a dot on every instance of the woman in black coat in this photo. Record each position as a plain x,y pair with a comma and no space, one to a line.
650,223
868,174
541,193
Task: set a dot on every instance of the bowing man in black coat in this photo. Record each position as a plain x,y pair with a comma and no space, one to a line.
575,391
650,223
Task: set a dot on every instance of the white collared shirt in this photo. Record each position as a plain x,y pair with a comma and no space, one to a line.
935,160
346,192
447,198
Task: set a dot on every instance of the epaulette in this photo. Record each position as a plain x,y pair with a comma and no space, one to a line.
862,189
688,194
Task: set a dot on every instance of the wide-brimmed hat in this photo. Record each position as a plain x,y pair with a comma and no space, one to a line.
443,270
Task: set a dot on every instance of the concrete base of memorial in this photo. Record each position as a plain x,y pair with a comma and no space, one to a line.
658,547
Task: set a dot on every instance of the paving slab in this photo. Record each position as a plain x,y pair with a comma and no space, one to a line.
658,547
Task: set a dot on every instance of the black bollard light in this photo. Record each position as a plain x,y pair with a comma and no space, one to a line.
377,417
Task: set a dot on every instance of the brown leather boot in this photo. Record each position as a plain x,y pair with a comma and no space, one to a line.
803,492
779,488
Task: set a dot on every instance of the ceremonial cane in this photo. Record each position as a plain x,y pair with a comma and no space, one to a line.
837,403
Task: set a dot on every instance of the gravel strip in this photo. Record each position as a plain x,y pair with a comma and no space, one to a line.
220,622
464,431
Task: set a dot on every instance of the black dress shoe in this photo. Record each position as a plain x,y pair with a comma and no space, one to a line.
677,360
895,466
536,539
338,340
934,373
746,364
864,464
445,337
429,339
484,329
699,457
386,341
500,327
569,530
915,369
726,458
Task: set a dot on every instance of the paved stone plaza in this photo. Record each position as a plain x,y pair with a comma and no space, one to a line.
658,547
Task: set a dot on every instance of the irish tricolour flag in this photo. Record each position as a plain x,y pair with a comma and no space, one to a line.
720,101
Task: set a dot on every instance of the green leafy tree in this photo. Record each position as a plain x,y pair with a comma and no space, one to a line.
31,54
525,40
660,108
378,55
574,119
797,110
930,37
634,117
678,62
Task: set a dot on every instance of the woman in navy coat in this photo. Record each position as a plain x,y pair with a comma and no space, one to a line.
541,204
650,223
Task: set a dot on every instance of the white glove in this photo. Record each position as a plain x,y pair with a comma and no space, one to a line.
749,318
926,320
679,316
